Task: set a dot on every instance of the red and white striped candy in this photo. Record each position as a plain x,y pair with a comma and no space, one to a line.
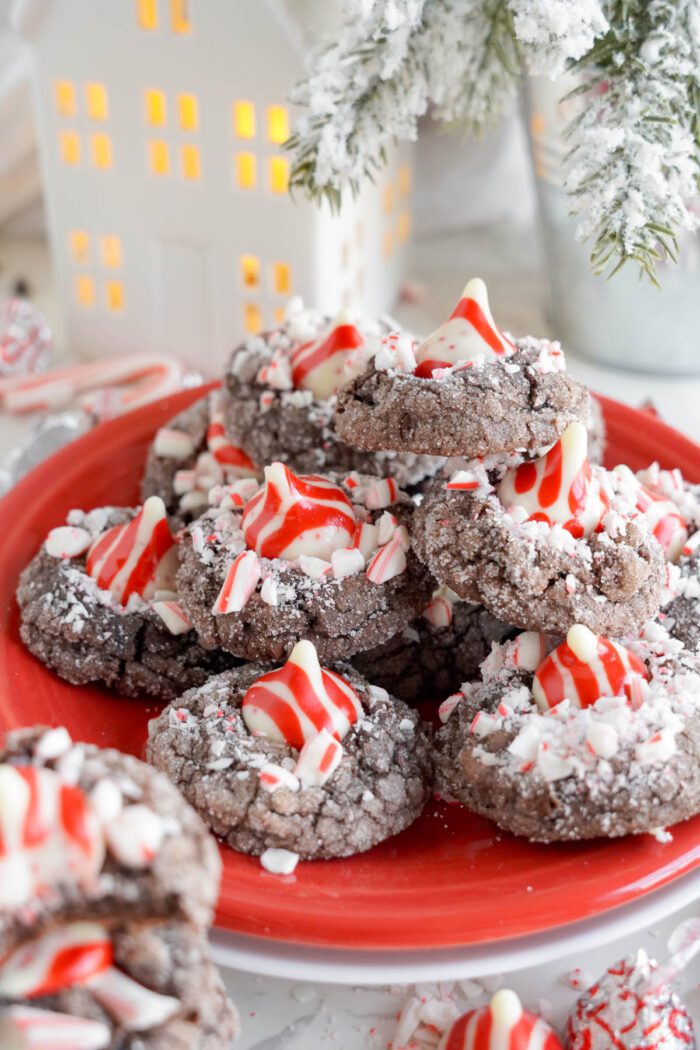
67,541
470,332
319,366
668,525
293,704
528,650
240,583
381,494
502,1025
134,1007
173,616
139,557
584,668
67,956
558,488
439,610
234,461
48,835
389,561
291,516
25,1028
318,760
25,339
272,777
170,443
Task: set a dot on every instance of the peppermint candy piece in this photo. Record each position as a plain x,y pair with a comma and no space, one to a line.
233,460
48,835
559,488
502,1025
381,494
584,668
294,703
528,650
135,1008
439,610
389,561
662,515
240,583
25,339
139,557
67,541
62,958
170,443
135,836
320,365
318,760
347,561
470,332
272,777
173,616
291,516
25,1028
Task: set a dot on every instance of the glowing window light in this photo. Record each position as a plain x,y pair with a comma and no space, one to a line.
114,295
110,251
250,271
96,101
388,199
191,164
244,120
147,14
252,318
282,278
158,157
404,180
101,150
180,20
69,144
156,107
279,174
64,98
246,170
188,111
79,246
277,124
403,226
387,245
84,290
279,315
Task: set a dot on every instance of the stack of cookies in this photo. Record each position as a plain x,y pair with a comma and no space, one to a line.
357,521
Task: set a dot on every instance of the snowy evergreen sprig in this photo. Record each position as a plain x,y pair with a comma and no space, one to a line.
632,165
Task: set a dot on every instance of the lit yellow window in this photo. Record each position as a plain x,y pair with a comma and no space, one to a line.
244,120
64,98
110,251
279,314
96,101
282,278
388,199
180,16
191,166
101,150
84,290
158,157
70,147
279,174
403,226
252,318
387,245
277,124
147,14
404,180
114,295
188,111
79,246
246,170
250,271
156,110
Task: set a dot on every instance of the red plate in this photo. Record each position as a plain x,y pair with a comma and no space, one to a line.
452,879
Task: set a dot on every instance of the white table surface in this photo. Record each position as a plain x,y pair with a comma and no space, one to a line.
288,1015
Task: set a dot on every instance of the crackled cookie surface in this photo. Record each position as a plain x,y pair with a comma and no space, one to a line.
283,387
297,758
589,738
466,390
98,604
324,558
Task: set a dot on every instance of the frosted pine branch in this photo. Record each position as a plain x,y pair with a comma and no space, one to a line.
553,33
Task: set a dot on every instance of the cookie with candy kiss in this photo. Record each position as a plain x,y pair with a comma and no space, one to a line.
576,739
325,557
304,758
502,1025
545,543
282,388
467,390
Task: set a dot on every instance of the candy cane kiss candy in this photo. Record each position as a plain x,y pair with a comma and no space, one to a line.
62,958
139,557
502,1025
470,332
319,366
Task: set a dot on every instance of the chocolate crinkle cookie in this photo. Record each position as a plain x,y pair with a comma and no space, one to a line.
323,558
545,543
283,387
592,738
104,904
302,759
436,652
191,454
98,604
466,390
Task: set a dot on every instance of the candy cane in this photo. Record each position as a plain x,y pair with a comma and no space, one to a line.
62,958
502,1025
319,366
135,1008
139,557
469,332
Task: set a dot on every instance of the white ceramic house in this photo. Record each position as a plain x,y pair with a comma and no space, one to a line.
161,124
